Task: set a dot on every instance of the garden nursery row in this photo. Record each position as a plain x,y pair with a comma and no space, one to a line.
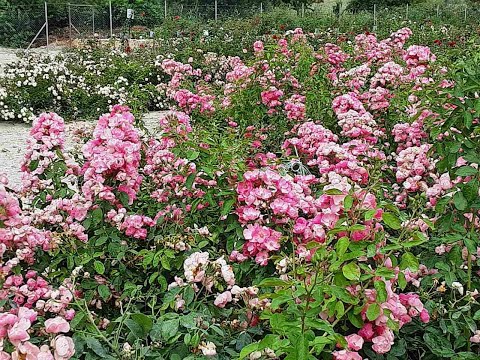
309,193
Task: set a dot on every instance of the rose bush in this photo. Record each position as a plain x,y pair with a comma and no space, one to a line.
278,212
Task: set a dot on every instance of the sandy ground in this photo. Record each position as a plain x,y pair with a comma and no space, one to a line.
13,143
13,136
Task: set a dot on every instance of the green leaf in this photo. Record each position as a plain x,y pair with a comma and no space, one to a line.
467,119
99,267
334,192
97,215
95,345
190,180
466,171
192,155
351,271
381,291
300,351
247,350
356,320
459,201
227,206
101,240
145,322
409,261
470,244
392,220
342,246
439,345
339,309
402,282
135,328
348,202
272,282
373,312
169,328
103,291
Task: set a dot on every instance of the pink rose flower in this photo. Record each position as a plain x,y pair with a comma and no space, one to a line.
63,347
223,299
354,341
57,325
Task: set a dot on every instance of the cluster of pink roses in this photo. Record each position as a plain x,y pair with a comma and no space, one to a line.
113,155
18,243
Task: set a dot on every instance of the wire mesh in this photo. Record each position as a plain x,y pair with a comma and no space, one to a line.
20,24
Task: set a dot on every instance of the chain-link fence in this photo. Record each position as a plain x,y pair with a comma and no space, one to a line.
43,24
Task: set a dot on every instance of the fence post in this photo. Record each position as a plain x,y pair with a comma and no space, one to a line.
438,11
303,9
407,13
70,24
46,22
165,9
465,16
93,21
216,10
111,18
374,17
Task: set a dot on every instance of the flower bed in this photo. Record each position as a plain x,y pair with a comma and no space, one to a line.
284,209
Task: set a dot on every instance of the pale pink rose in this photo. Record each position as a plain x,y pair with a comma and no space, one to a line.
382,344
354,341
4,356
45,353
346,355
18,332
26,351
223,299
63,347
57,325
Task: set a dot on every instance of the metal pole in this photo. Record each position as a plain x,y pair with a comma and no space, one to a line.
303,9
261,8
46,22
374,17
111,18
93,21
70,23
35,38
465,16
438,10
407,12
216,10
165,9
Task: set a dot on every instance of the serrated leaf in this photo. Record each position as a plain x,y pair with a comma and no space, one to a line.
342,246
373,311
409,261
104,291
351,271
391,220
381,291
99,267
95,345
227,206
466,171
459,201
190,180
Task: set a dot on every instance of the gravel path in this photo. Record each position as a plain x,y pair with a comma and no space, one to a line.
13,136
13,143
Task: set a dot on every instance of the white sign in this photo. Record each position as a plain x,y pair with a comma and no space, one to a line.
130,14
